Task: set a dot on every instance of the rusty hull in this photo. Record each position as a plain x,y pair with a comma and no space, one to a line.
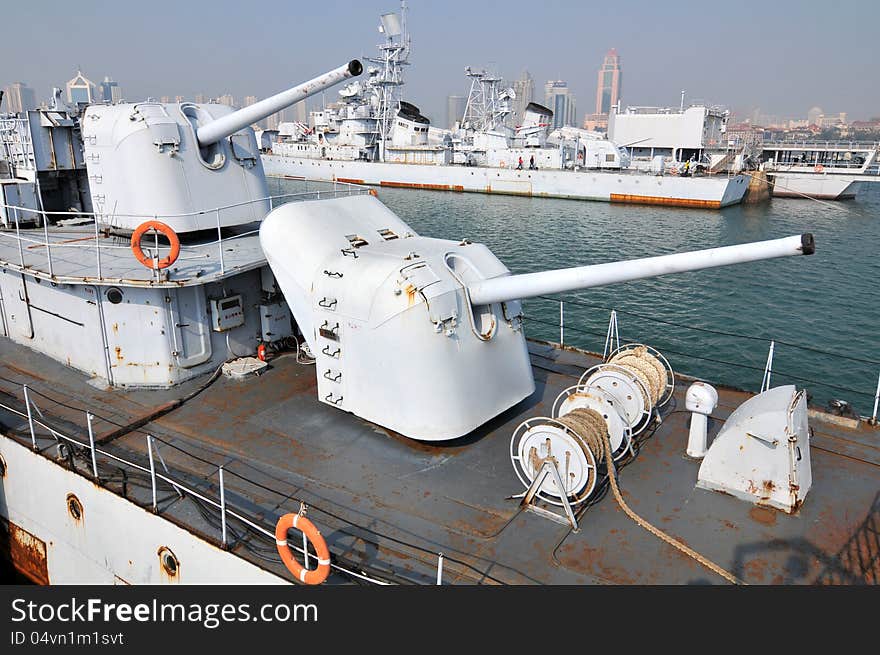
25,552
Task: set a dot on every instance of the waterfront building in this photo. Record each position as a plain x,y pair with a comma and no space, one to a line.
80,90
455,106
609,86
19,97
558,98
110,90
524,88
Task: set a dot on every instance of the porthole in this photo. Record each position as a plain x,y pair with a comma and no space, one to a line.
74,507
169,561
114,295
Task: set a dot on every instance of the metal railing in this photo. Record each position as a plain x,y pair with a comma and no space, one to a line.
220,504
822,145
611,334
197,251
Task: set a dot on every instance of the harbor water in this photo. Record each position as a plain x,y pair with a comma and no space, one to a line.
822,311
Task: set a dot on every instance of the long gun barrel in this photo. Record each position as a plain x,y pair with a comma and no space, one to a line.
529,285
232,123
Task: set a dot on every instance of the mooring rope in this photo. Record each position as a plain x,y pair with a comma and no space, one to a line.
592,430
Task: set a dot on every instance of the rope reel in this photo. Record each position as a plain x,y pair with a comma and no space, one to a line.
541,438
640,377
606,404
593,425
617,400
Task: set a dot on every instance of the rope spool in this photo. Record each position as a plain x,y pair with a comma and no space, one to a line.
639,377
538,439
593,426
582,397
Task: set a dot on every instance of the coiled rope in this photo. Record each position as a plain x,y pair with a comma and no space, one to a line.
592,431
647,368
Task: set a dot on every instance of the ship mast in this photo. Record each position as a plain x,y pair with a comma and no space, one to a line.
387,78
487,105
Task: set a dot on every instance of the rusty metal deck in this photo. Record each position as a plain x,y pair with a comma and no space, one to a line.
390,504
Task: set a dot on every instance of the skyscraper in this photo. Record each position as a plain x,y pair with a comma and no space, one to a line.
80,90
110,90
19,97
610,83
226,99
455,106
524,88
558,98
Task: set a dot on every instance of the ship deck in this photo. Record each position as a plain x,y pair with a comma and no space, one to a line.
76,254
389,504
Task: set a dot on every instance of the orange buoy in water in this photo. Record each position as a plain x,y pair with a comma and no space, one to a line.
313,576
161,228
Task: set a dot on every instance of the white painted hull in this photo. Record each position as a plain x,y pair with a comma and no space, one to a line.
114,542
706,192
818,185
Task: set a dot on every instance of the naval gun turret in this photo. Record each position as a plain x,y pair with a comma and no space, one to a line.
177,162
424,336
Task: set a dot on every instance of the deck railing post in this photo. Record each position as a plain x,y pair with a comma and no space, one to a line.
27,402
152,470
561,323
876,402
439,568
18,237
98,248
48,247
768,368
92,444
222,509
220,243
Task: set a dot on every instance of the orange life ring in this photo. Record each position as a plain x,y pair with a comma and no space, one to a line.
153,263
819,168
374,193
313,576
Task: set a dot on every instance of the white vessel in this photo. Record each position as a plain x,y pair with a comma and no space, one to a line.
371,136
833,170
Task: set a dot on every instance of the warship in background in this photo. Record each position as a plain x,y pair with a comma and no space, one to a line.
372,136
201,383
831,170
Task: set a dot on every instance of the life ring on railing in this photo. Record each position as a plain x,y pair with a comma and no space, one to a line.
161,228
819,168
374,193
313,576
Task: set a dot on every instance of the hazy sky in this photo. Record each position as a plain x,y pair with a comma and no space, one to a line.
782,56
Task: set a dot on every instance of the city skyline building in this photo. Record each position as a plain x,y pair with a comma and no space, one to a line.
455,106
559,99
19,97
80,90
524,88
110,90
609,85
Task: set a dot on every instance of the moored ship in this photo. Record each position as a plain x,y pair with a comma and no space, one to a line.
372,136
